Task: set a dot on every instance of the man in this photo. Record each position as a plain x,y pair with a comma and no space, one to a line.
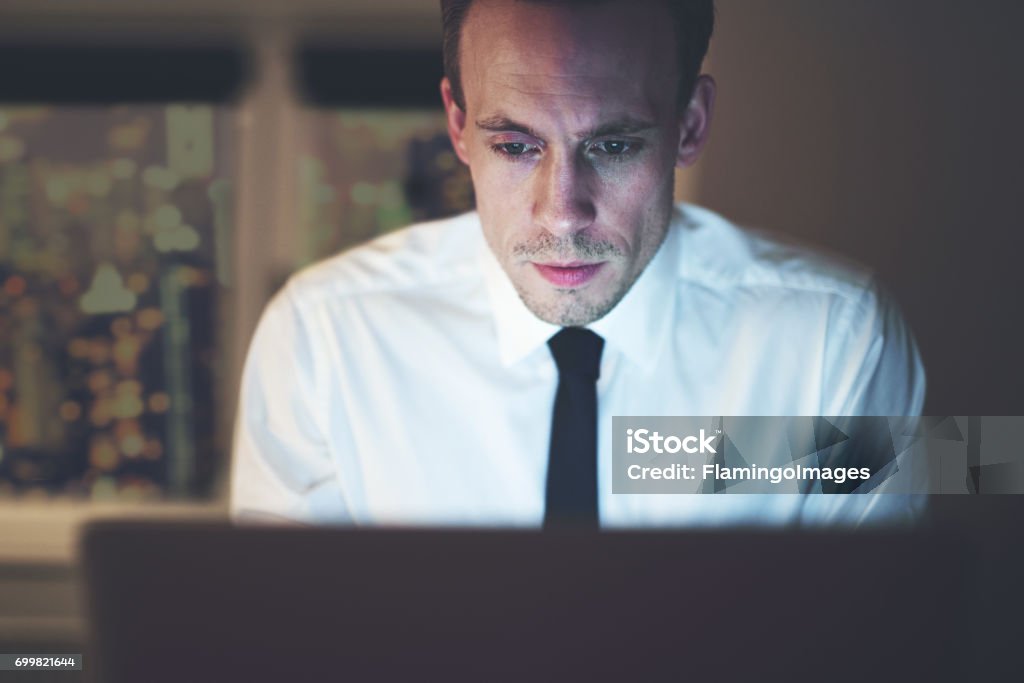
466,371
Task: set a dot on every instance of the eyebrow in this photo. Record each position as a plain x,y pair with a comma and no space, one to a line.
624,126
503,124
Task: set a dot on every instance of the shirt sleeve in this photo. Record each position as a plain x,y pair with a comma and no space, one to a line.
872,364
873,367
282,469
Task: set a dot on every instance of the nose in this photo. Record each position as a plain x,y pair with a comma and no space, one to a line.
563,199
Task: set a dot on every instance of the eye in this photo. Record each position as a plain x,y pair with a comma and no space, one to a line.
513,149
613,148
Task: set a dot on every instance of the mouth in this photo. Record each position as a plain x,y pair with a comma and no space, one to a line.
568,275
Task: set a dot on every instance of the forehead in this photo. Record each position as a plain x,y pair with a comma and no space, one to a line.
617,57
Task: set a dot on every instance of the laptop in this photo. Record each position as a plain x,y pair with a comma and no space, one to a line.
210,602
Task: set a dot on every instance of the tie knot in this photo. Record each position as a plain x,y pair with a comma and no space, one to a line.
577,351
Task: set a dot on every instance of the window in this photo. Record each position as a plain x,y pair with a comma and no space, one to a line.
374,154
115,233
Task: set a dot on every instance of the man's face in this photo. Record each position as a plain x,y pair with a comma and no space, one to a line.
571,133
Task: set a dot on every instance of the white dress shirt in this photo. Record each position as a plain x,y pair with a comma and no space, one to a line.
405,383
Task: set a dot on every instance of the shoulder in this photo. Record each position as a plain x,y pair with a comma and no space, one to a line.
819,307
721,255
419,258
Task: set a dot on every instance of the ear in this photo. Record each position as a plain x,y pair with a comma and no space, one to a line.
695,123
456,121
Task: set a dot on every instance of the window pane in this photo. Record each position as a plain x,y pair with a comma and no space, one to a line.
364,172
114,223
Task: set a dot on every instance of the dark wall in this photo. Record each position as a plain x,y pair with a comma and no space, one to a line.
889,130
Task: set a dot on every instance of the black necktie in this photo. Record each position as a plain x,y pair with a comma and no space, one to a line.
571,498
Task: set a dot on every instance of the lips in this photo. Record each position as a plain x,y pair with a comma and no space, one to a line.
568,275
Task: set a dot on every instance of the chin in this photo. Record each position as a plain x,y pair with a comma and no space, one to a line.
566,308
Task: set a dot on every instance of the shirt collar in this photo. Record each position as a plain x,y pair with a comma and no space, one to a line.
637,327
519,331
